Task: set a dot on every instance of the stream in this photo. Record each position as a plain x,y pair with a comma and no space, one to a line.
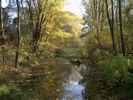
73,90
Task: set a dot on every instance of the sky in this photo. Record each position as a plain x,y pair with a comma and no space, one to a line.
74,6
4,3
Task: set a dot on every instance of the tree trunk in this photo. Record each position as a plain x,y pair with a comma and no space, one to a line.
121,29
1,21
2,33
18,34
111,23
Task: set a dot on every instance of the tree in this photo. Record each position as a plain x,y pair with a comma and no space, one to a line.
18,33
94,17
121,28
111,23
1,20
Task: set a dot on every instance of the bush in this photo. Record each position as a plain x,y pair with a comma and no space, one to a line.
112,77
118,72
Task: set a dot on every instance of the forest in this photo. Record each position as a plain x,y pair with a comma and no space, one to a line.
49,53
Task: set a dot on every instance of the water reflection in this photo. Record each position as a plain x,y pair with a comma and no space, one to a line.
73,91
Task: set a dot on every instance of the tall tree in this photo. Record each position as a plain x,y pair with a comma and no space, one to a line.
111,23
1,20
121,28
18,33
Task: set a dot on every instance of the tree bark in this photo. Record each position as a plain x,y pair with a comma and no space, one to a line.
121,29
1,21
111,23
18,34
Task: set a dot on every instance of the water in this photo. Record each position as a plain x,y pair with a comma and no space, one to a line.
73,90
